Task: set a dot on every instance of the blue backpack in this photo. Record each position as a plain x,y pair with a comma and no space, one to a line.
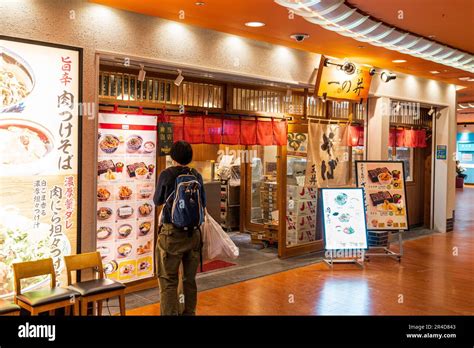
187,211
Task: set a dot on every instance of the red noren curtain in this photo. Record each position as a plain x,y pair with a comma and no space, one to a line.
212,130
248,132
264,133
280,132
231,132
194,129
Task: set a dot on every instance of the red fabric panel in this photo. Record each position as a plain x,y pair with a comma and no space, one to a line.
400,138
410,138
248,132
194,129
280,132
392,136
353,139
231,132
178,128
361,136
421,138
212,130
264,133
356,136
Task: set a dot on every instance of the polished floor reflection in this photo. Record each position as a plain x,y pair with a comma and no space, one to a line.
435,277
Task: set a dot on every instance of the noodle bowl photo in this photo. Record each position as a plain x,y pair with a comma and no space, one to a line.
25,147
16,81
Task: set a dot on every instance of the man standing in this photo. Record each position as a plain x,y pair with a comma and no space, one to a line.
180,190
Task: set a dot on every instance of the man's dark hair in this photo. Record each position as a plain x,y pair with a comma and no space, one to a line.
182,152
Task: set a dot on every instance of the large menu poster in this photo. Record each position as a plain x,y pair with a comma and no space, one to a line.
385,194
39,150
344,221
126,184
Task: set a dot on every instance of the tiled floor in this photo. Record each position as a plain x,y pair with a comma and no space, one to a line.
436,276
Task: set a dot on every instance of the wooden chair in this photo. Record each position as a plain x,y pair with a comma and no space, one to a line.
95,290
43,299
7,308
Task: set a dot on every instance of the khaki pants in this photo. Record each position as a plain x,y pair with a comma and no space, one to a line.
175,248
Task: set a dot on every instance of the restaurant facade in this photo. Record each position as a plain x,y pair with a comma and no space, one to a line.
248,108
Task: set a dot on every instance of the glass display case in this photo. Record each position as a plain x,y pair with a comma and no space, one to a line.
301,202
404,154
263,166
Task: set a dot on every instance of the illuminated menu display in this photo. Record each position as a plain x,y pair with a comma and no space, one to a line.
385,195
39,150
126,185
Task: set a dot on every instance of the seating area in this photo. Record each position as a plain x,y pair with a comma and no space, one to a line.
73,299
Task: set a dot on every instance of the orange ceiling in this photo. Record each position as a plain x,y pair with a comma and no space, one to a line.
451,22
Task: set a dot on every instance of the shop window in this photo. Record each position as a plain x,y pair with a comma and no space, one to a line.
126,87
264,209
271,101
404,154
357,155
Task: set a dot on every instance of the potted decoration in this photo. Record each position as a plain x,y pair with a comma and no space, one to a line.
460,175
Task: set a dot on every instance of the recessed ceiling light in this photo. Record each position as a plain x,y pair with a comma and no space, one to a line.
465,78
434,72
199,3
255,24
399,61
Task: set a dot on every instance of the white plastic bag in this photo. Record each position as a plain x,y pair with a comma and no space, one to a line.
216,243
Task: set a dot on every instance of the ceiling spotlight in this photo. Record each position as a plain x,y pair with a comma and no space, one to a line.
179,78
372,71
299,37
432,110
199,3
255,24
348,67
387,76
465,78
399,61
141,73
434,72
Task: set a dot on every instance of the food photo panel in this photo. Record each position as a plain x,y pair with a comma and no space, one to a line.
384,186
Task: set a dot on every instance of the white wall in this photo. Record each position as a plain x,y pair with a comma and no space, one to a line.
429,92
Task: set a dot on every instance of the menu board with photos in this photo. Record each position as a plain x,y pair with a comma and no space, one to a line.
39,151
125,188
385,194
344,222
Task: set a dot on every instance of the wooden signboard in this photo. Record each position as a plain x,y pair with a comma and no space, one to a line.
334,82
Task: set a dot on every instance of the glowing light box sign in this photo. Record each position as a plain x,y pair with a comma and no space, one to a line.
39,151
344,221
